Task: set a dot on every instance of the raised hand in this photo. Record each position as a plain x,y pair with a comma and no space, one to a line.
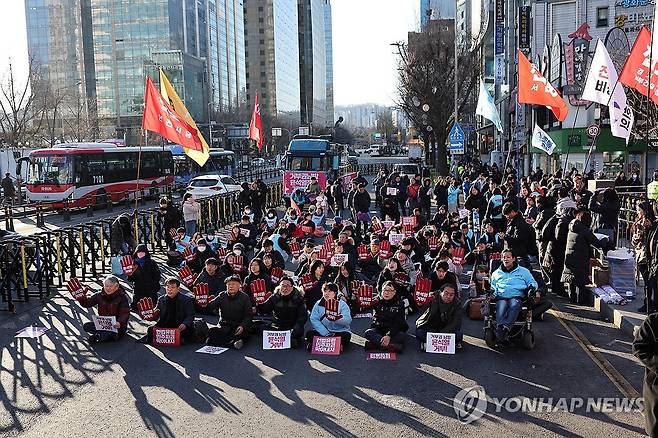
323,254
259,292
188,254
128,265
277,275
295,249
187,276
307,282
221,254
238,264
422,292
433,243
201,294
174,234
331,310
408,229
364,296
458,255
329,241
377,226
385,249
76,288
147,310
363,252
401,278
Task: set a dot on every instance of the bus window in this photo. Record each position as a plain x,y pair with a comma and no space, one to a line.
50,170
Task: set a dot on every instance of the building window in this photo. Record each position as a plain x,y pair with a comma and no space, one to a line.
260,9
261,30
602,17
261,42
261,20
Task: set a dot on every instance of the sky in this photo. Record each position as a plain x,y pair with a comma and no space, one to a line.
364,61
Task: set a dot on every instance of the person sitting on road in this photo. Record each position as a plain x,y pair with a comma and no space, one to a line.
441,276
509,285
112,300
202,252
173,310
288,310
248,232
235,310
443,314
388,329
214,277
277,258
328,322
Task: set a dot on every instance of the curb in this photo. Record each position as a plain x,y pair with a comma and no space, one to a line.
622,317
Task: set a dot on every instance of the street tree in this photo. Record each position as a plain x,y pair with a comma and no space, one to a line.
426,90
22,108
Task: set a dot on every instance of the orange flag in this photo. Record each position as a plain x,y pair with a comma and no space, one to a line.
536,90
636,70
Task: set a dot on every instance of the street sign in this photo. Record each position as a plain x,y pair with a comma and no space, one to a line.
303,130
456,137
574,141
593,131
276,132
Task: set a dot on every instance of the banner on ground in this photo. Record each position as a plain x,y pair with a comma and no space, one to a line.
441,343
276,339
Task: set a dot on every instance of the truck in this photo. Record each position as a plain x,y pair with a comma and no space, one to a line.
415,151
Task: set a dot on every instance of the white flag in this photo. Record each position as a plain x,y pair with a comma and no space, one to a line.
602,86
541,140
487,108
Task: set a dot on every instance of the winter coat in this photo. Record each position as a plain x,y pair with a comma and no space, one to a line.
520,237
184,310
607,213
453,194
288,311
215,282
246,285
191,211
120,234
325,326
476,202
388,317
441,194
511,283
171,218
116,304
440,317
146,279
361,202
235,311
277,258
556,231
645,348
450,278
576,255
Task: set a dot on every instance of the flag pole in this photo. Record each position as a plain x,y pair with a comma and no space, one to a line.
573,126
646,158
139,165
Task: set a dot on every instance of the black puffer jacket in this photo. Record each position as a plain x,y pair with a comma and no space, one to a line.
576,255
388,317
184,311
145,279
555,232
215,282
441,317
288,311
520,237
235,311
607,212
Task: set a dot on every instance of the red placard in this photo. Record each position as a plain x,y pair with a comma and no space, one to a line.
166,337
326,345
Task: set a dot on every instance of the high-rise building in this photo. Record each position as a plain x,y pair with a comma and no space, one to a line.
329,50
106,48
435,10
312,62
272,57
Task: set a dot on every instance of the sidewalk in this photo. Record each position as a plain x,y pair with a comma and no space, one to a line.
626,317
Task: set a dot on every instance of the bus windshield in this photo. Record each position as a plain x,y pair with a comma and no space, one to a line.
309,163
50,169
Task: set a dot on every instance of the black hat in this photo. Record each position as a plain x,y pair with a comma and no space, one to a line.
233,278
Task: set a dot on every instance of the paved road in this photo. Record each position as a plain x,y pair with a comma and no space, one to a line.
59,385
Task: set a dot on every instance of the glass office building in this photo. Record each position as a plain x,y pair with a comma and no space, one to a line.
272,58
109,46
312,62
329,51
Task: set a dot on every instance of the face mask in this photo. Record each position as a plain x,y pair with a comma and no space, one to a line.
479,277
238,252
141,255
202,248
270,215
247,211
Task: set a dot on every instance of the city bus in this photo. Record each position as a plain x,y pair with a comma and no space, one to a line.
221,162
308,157
95,173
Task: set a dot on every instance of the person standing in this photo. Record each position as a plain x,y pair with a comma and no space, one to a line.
191,214
645,348
145,276
8,189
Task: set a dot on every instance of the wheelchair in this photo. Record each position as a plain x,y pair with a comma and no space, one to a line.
521,331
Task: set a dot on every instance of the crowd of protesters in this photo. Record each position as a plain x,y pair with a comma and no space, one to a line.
389,249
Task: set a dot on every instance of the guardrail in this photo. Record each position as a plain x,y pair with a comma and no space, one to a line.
32,266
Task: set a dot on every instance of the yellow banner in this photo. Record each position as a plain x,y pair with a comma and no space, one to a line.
168,92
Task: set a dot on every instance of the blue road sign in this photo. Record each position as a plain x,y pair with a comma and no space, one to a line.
456,137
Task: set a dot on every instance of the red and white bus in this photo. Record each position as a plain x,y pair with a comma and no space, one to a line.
95,173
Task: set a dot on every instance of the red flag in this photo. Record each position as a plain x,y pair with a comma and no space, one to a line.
635,73
294,205
160,117
256,126
535,89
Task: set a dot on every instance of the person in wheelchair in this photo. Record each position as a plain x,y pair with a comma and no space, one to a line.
510,285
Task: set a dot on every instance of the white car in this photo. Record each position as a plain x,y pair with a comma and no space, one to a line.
209,185
258,161
374,151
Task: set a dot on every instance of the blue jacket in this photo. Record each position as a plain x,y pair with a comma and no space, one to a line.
326,327
511,284
453,194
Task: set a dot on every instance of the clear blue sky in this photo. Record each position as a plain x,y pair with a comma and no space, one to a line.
364,61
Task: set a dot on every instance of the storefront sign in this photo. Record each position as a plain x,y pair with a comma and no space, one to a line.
555,76
524,27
